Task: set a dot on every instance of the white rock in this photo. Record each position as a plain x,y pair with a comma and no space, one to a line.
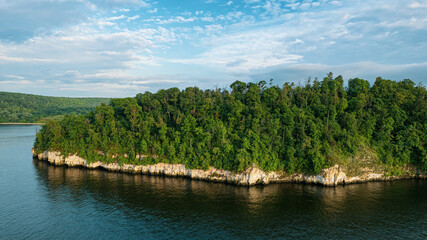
328,177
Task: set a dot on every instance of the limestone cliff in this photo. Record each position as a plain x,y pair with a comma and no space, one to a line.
329,177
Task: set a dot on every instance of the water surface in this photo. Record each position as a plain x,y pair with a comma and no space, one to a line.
40,201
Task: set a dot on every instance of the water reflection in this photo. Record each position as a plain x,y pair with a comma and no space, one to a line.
39,201
276,210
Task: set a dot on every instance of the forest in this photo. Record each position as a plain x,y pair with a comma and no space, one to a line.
28,108
292,128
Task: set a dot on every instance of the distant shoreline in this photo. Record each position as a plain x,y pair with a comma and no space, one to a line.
22,123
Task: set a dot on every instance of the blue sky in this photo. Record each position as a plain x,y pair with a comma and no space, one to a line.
119,48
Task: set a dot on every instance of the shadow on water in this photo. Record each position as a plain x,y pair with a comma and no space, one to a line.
40,201
176,207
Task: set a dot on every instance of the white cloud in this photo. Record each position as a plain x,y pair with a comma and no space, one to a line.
413,22
104,23
213,27
417,5
178,19
24,59
365,70
115,18
132,18
98,45
120,4
145,82
231,16
331,35
244,52
251,1
151,11
23,19
273,7
16,82
14,76
207,19
83,54
114,83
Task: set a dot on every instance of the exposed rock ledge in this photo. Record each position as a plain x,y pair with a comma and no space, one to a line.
329,177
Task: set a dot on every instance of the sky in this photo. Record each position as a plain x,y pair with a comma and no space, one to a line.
119,48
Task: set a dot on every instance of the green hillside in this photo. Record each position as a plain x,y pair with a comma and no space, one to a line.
22,108
288,127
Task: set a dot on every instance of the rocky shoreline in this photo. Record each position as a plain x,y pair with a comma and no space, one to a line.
332,176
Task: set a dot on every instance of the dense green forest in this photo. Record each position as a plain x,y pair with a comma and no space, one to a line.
22,108
301,128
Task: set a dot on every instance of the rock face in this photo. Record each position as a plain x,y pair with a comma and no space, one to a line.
329,177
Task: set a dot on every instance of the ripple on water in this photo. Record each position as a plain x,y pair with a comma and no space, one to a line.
39,201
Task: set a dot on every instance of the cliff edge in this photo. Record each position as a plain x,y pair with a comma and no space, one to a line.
332,176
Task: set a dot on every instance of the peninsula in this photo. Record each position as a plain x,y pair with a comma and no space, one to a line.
254,133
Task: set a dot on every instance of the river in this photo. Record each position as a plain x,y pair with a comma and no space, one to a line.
40,201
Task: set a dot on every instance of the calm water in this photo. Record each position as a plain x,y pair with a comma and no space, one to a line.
39,201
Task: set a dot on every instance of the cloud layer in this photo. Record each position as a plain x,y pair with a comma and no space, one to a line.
120,48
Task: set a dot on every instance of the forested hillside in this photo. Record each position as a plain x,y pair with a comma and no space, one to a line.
18,107
292,128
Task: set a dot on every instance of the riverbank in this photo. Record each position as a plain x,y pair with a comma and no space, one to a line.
332,176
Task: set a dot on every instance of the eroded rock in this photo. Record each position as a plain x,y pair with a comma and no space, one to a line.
332,176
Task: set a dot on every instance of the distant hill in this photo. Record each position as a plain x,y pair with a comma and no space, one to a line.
19,107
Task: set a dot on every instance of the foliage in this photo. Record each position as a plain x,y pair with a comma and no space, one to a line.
291,128
18,107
